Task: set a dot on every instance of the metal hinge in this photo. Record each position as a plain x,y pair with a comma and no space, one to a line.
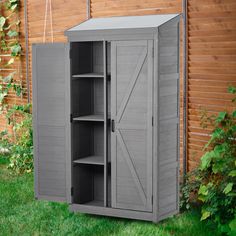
152,199
72,191
152,121
71,118
152,51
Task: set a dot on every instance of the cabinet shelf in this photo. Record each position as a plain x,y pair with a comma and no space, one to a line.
95,203
92,160
97,117
89,75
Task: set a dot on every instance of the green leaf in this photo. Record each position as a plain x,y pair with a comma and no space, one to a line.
205,214
14,6
203,190
12,33
232,173
232,224
2,22
16,50
234,114
232,89
18,89
221,116
217,133
218,149
206,160
217,167
228,188
202,198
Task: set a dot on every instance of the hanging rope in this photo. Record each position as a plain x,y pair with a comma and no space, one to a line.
48,2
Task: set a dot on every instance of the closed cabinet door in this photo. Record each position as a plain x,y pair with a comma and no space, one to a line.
51,121
131,115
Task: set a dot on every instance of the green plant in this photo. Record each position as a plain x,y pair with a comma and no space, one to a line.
217,173
10,46
12,4
4,142
18,144
21,148
189,190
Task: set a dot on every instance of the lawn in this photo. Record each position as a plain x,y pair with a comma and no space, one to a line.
21,214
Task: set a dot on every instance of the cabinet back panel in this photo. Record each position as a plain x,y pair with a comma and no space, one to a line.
87,96
81,140
87,57
81,55
82,184
87,139
97,57
88,183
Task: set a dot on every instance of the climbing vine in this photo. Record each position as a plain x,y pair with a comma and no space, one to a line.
11,51
17,145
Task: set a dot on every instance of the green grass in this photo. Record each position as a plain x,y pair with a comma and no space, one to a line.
21,215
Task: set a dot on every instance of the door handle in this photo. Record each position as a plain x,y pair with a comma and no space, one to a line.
112,126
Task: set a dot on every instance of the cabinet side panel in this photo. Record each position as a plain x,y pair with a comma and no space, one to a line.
168,135
50,123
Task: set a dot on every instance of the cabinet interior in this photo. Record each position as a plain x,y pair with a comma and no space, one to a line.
90,106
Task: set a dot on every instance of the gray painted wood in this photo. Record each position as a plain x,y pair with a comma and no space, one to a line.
93,160
88,182
168,116
125,22
119,28
87,139
155,127
131,106
105,98
118,35
51,121
107,211
143,152
87,97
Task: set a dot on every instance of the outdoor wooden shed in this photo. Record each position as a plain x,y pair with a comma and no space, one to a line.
106,117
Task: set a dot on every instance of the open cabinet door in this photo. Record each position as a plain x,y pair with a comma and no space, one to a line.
51,121
131,114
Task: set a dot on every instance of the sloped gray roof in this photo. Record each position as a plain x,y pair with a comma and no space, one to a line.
124,22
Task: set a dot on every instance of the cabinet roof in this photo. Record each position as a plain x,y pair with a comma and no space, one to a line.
124,22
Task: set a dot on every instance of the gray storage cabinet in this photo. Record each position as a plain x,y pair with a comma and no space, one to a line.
106,117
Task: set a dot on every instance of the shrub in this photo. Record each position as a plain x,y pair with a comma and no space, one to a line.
20,144
215,179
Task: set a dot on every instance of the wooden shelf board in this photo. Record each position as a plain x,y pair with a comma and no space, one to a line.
92,160
89,75
97,117
95,203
